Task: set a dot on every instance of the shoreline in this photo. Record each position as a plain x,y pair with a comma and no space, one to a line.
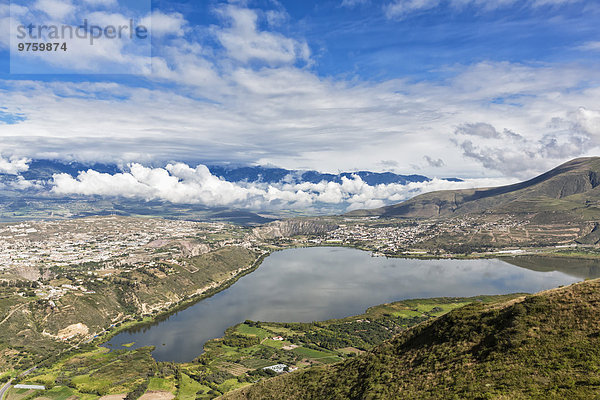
131,322
153,319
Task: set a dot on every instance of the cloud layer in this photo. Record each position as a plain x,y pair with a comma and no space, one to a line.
181,184
244,90
13,165
403,8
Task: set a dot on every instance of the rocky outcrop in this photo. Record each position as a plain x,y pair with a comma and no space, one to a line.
188,248
293,227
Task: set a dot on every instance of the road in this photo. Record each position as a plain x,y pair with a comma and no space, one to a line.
8,384
12,312
5,389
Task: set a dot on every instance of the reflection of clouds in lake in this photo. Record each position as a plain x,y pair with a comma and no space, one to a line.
321,283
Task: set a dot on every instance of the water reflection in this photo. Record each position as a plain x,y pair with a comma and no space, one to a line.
321,283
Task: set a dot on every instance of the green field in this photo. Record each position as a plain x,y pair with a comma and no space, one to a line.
541,346
237,359
162,384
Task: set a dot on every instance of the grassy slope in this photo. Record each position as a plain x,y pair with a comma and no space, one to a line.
543,347
571,188
23,344
247,346
96,371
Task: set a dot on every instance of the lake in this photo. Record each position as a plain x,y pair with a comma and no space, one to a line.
319,283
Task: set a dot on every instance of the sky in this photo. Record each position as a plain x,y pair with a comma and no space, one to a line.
476,89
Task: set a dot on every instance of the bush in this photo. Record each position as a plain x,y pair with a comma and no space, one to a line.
138,391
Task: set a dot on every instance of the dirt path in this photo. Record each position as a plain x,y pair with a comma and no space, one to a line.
155,395
12,312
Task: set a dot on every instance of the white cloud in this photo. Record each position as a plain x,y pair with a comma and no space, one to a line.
403,8
567,137
289,117
590,46
245,42
105,3
181,184
23,184
539,3
14,165
57,9
162,24
120,54
354,3
219,105
276,17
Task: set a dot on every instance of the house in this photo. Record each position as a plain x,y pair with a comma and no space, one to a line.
279,368
30,387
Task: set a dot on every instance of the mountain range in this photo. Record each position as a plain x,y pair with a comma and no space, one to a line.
43,170
29,194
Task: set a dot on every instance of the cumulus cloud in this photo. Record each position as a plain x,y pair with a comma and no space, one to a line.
478,129
245,42
181,184
262,105
21,183
515,155
290,117
162,24
13,165
120,53
434,163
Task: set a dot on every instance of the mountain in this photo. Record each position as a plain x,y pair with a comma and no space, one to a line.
277,175
544,346
570,188
42,170
29,194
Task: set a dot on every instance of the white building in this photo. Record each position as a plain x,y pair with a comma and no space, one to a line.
279,368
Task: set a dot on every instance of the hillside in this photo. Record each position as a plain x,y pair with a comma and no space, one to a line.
544,346
571,188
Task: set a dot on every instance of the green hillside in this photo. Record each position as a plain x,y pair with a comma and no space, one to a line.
571,189
544,346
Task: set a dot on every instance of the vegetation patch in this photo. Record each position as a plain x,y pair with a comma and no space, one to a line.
544,346
239,358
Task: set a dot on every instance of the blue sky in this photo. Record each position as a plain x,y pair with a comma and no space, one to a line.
477,89
360,40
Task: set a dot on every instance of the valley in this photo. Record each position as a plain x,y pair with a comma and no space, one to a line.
242,357
67,286
542,346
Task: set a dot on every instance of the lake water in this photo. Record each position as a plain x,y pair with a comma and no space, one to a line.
312,284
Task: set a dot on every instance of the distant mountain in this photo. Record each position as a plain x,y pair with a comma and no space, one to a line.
276,175
29,195
544,346
570,188
42,170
